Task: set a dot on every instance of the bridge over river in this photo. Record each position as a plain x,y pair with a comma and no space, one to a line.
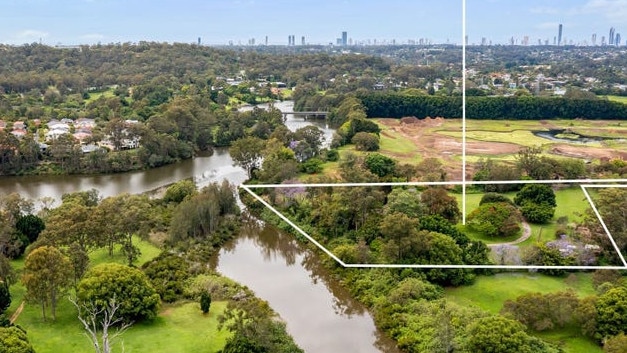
315,114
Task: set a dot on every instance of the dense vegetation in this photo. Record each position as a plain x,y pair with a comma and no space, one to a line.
495,108
110,295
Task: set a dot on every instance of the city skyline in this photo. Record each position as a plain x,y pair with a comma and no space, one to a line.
243,22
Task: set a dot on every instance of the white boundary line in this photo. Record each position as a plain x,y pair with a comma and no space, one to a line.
429,183
464,112
464,182
451,266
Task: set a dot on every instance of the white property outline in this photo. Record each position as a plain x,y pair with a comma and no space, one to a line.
463,183
451,266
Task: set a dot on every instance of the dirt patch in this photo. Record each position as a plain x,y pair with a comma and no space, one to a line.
429,143
424,134
588,153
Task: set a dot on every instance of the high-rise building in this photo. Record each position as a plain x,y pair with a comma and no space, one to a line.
594,39
617,39
611,37
344,38
302,40
559,35
266,41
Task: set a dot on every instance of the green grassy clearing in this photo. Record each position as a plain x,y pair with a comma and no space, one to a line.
96,95
180,327
396,146
571,202
490,292
619,99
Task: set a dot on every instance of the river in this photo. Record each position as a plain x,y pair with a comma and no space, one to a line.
320,314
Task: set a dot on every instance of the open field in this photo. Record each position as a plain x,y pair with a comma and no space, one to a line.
571,203
497,139
180,327
490,292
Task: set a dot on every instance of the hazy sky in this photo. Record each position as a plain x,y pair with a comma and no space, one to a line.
320,21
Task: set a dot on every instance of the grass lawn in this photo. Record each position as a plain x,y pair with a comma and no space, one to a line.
490,292
620,99
571,202
396,146
95,95
180,327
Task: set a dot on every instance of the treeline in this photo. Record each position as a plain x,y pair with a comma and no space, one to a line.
394,105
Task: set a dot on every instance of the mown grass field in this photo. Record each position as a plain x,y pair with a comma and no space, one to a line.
490,292
180,327
571,203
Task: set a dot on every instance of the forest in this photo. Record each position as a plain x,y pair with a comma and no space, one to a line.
180,100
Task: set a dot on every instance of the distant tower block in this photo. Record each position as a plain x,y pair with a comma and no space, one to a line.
559,35
198,40
302,40
611,37
266,40
344,38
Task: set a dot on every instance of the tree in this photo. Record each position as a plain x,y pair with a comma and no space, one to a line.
31,226
536,193
496,219
247,153
543,311
178,191
129,286
5,298
47,274
438,202
543,255
120,217
405,201
379,164
14,340
167,273
365,141
497,334
7,274
98,320
72,222
537,202
205,301
611,313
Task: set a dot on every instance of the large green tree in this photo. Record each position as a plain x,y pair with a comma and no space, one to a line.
611,313
47,274
497,334
127,285
247,153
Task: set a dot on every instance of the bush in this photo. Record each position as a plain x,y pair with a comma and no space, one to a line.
167,273
379,164
537,213
365,141
495,219
129,286
493,197
311,166
205,302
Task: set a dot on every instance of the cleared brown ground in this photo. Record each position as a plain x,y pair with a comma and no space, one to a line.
429,143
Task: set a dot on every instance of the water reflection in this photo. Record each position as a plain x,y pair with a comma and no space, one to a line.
321,315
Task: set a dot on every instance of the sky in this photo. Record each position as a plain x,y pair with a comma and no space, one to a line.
70,22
